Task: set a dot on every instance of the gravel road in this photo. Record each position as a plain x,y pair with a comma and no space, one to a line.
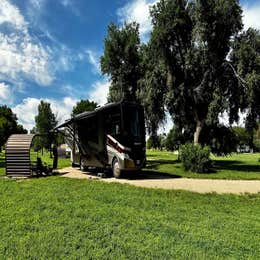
166,182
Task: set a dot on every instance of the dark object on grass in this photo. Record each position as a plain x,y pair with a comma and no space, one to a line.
17,157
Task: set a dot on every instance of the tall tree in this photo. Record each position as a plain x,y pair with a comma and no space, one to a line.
245,57
45,121
193,40
152,90
121,61
84,105
8,125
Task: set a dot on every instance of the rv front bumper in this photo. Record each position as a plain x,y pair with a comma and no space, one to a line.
129,164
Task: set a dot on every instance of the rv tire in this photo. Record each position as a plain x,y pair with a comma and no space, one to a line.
74,165
116,170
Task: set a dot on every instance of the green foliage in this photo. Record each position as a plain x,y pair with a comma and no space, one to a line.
175,138
192,38
195,158
61,218
242,135
152,89
156,142
83,106
8,125
245,57
121,61
45,121
221,139
256,139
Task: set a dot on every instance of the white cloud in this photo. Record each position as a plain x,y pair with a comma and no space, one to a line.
11,14
28,109
224,119
5,93
138,11
99,92
167,125
93,59
70,4
251,16
21,55
26,112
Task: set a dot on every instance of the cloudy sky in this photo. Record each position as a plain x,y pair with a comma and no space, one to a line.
50,49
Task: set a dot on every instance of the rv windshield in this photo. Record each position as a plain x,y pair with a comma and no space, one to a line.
133,122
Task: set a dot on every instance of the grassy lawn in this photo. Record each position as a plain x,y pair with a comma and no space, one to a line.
59,218
235,166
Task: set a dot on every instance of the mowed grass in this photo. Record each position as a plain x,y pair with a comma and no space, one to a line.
235,166
59,218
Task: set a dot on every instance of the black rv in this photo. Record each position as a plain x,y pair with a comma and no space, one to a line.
112,136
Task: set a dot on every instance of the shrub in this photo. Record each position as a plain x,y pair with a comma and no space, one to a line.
195,158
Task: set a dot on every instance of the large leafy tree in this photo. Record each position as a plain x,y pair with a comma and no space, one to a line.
84,105
152,90
245,57
8,125
192,39
45,121
121,61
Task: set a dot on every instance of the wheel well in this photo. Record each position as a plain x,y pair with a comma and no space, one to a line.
113,161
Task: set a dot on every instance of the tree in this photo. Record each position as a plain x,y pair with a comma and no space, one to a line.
193,40
152,90
45,121
242,135
8,125
245,57
82,106
121,61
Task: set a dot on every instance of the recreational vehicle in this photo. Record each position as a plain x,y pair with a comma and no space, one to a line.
112,136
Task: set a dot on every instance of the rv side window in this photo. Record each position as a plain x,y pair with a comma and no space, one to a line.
113,122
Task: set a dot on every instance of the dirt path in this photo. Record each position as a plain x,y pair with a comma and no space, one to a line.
166,182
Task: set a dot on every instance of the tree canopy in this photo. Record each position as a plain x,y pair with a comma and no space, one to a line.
121,61
245,57
45,121
82,106
197,64
193,40
8,125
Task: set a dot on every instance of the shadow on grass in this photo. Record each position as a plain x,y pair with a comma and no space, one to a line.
154,164
236,166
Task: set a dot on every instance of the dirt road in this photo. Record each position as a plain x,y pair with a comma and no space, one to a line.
167,182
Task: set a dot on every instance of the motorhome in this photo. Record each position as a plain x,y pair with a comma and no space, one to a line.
112,136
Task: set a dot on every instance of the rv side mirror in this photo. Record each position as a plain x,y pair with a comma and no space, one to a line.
117,130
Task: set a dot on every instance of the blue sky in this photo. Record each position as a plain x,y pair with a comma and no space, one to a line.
50,49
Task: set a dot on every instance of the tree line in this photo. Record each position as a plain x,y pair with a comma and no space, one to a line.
197,64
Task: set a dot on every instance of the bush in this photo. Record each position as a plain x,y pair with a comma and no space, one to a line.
195,158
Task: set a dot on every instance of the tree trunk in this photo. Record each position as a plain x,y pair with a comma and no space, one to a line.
169,79
199,126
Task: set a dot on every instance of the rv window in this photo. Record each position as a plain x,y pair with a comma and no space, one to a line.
133,121
113,122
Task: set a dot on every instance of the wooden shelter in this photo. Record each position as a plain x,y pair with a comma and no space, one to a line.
17,155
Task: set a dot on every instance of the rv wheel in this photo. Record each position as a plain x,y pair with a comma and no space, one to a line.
116,169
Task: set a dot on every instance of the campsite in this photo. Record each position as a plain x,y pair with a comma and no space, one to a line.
129,129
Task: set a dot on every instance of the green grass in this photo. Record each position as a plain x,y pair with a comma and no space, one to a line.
235,166
59,218
2,164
